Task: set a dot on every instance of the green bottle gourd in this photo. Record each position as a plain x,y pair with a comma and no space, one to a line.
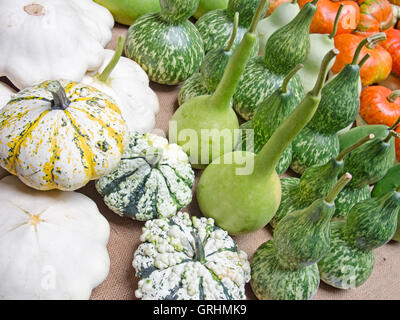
241,191
211,70
202,121
285,268
370,224
315,183
167,45
216,26
270,114
286,48
209,5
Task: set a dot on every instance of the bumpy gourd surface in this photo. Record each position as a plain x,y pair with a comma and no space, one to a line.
270,281
167,266
63,149
154,179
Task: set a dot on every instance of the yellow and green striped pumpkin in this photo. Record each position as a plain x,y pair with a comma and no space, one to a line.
61,135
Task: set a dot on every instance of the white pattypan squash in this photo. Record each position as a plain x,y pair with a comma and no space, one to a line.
60,135
53,245
128,84
51,39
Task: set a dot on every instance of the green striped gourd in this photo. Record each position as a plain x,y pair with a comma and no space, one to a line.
315,183
216,26
370,224
153,180
268,117
208,119
286,267
211,71
166,44
286,48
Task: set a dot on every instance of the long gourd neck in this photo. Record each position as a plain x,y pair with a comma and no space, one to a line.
267,159
343,181
335,24
103,77
370,43
226,88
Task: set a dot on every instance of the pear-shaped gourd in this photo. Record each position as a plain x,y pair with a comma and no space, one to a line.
286,267
286,48
211,71
216,26
315,183
241,190
205,126
370,224
269,115
166,44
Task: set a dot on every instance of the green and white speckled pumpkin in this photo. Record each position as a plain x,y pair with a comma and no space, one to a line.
154,179
166,44
348,198
60,135
189,258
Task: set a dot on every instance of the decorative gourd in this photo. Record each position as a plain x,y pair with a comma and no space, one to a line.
375,16
153,180
392,45
79,28
211,71
285,268
53,244
205,119
167,45
370,224
189,258
60,135
126,82
285,49
315,183
210,5
216,26
241,190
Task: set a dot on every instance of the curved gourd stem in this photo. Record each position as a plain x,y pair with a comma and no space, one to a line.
113,62
60,100
234,32
393,96
370,42
354,146
391,134
335,24
394,126
237,63
267,159
363,60
289,77
343,181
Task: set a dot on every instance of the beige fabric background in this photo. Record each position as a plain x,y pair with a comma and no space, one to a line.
121,282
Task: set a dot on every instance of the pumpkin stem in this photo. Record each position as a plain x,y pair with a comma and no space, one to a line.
370,42
113,62
258,15
324,70
354,146
60,100
199,254
343,181
234,32
289,77
335,24
393,96
364,59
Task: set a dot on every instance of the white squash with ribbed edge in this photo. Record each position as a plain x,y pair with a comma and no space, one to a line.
51,39
5,95
189,258
60,135
52,244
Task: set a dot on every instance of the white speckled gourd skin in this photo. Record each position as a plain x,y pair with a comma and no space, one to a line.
168,269
153,180
61,149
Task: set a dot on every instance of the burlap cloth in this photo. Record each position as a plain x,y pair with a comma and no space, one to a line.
121,282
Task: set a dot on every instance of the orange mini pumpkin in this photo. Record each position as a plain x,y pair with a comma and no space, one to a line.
375,16
392,45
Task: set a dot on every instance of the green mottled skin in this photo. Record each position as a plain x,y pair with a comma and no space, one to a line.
357,133
290,45
311,148
302,237
246,9
168,53
340,102
348,198
373,222
344,266
315,183
177,11
269,280
191,88
257,84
